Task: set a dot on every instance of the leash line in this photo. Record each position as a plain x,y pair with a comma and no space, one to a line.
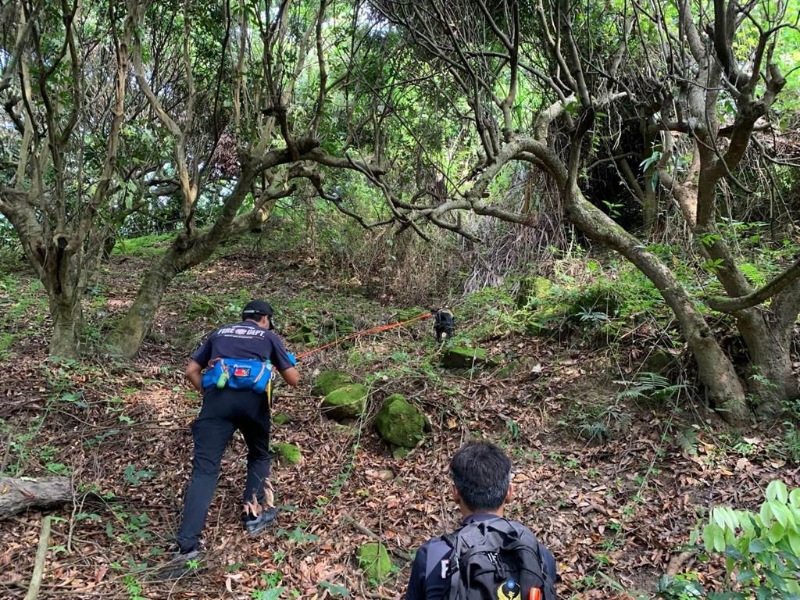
371,330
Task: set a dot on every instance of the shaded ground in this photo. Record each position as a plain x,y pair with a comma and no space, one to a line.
615,514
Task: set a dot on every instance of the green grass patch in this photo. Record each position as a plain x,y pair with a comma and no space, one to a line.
146,246
6,341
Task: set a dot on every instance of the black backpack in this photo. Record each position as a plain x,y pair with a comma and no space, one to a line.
496,560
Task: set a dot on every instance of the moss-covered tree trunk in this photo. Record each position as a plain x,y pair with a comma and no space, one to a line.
61,276
767,333
715,370
67,315
129,334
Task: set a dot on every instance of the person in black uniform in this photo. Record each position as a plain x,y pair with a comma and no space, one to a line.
231,401
481,474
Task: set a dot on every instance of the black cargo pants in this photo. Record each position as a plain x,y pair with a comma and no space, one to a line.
224,411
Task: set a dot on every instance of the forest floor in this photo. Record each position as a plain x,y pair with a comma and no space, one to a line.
616,514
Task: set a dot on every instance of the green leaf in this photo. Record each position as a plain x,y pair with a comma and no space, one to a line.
335,590
781,513
776,532
271,594
776,490
766,514
794,542
745,576
757,546
764,593
711,533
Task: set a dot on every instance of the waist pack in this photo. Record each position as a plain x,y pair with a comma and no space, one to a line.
238,374
497,560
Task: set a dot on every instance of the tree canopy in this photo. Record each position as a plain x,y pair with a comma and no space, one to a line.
622,120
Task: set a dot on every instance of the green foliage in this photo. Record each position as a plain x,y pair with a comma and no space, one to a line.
649,386
334,590
146,246
761,551
607,302
6,340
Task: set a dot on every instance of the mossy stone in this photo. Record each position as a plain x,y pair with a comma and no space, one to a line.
509,370
281,419
400,453
304,335
545,322
288,453
533,287
328,381
373,558
348,402
399,422
463,357
660,362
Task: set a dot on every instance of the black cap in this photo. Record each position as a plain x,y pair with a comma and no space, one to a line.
257,307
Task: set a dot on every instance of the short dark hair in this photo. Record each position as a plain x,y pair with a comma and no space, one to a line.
481,473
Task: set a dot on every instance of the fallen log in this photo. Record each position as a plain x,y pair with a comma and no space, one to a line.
17,495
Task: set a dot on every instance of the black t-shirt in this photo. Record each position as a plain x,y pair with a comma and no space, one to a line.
243,340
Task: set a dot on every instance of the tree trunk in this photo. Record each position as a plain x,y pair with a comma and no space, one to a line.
67,314
61,279
772,382
17,495
130,333
724,389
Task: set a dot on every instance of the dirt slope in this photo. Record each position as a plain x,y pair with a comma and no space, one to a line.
615,515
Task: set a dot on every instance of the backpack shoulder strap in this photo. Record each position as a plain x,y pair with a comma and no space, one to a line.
528,538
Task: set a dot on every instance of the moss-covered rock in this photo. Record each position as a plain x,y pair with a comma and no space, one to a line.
399,422
288,453
328,381
533,288
281,419
374,560
400,453
463,357
660,362
508,370
303,335
348,402
545,322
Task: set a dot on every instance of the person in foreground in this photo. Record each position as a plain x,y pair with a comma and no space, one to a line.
233,369
489,557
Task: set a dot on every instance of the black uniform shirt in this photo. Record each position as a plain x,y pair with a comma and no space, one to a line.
243,340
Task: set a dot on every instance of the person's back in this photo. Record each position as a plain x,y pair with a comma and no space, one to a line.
489,557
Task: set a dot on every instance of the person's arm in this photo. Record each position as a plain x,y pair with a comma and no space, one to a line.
416,582
291,376
194,373
282,362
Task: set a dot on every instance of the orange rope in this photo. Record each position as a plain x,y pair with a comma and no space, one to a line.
377,329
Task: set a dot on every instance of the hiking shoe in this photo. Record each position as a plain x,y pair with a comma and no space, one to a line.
256,525
182,563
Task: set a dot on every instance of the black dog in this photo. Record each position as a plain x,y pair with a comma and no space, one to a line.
444,324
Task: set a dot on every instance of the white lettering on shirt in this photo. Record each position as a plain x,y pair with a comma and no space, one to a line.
241,332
